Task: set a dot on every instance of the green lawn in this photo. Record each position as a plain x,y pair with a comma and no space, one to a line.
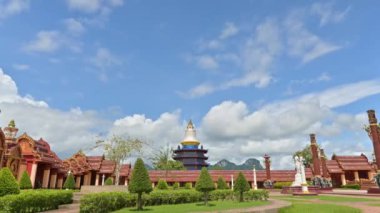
327,198
317,208
198,207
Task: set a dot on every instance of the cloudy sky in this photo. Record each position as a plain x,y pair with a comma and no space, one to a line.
255,76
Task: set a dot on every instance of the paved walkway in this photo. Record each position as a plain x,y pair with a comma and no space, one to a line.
69,208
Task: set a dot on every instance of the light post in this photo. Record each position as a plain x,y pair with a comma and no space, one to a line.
103,176
254,178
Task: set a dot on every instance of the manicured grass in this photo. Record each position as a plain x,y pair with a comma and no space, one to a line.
198,207
328,198
317,208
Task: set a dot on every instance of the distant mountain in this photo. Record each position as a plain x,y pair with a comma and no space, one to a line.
227,165
148,167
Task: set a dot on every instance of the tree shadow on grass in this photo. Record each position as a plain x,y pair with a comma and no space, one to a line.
202,204
144,210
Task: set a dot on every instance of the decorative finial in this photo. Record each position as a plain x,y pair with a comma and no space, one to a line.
12,124
190,125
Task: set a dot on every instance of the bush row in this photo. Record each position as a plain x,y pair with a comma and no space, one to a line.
111,201
351,186
279,185
35,200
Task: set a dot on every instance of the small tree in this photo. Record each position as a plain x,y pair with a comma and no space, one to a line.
176,185
69,182
241,186
221,183
8,183
25,182
140,182
108,181
188,186
162,184
118,149
205,184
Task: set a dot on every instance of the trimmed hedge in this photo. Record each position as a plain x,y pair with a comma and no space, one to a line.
35,200
162,184
279,185
176,185
351,186
188,186
111,201
8,183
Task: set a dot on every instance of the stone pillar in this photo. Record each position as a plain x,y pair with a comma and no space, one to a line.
153,185
126,181
374,135
97,180
103,179
77,181
356,175
370,175
21,170
254,187
46,177
314,153
343,179
33,173
53,179
325,172
60,182
232,182
267,166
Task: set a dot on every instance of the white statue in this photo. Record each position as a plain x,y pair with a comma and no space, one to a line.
298,175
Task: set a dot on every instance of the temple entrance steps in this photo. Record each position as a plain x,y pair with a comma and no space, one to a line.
69,208
366,184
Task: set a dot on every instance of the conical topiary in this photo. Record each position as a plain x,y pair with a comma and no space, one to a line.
162,184
140,182
108,181
222,183
25,182
8,183
241,186
204,184
70,182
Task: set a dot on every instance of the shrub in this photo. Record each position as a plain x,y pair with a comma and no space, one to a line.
176,185
351,186
25,182
162,184
140,182
279,185
108,181
221,183
241,186
70,182
35,201
8,183
110,201
205,184
188,186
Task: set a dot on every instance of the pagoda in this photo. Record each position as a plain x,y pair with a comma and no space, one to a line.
192,157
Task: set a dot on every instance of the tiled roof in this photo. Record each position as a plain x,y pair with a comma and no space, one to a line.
95,162
107,167
352,163
125,170
192,175
333,166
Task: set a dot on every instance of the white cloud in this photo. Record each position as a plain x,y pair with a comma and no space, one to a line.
200,90
207,62
12,7
104,58
66,131
304,44
229,30
93,6
280,128
327,13
21,66
74,26
46,41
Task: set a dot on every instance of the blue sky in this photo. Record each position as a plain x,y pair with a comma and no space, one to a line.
143,68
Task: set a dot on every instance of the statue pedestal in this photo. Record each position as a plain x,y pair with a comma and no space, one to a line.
304,188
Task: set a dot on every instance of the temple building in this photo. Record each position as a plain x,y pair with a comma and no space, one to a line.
190,154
